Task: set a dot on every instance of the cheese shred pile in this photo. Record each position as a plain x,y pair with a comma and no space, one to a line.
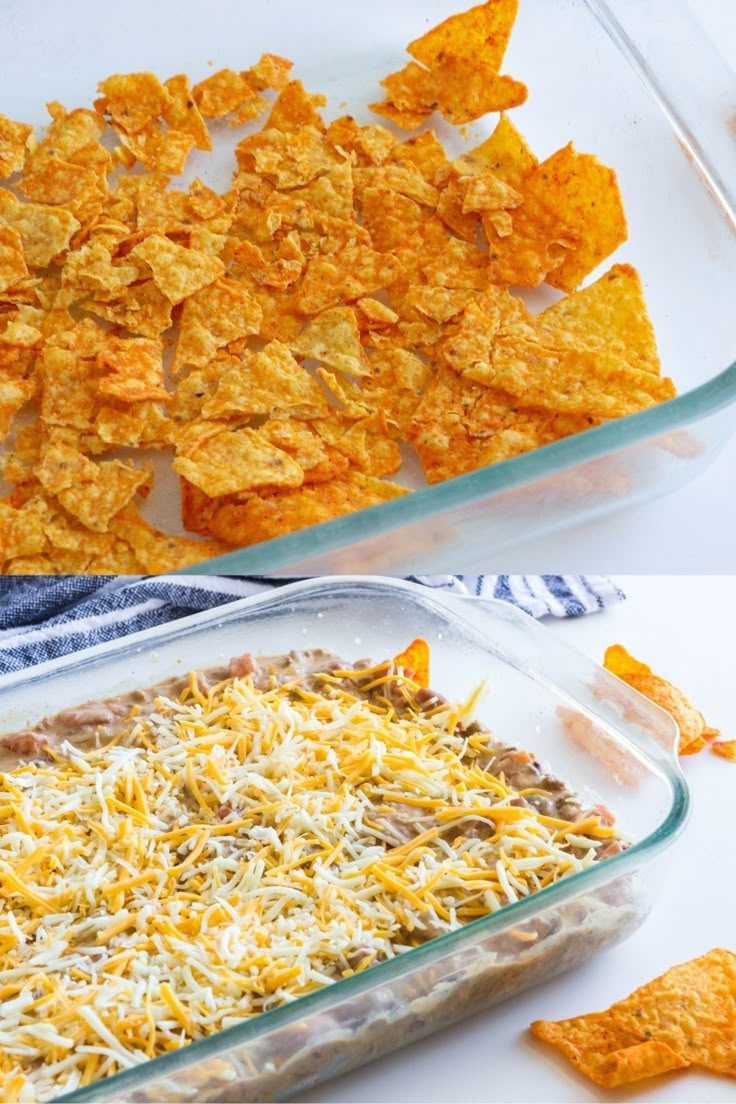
235,850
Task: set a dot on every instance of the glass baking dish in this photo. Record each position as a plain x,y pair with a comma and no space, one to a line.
638,83
624,758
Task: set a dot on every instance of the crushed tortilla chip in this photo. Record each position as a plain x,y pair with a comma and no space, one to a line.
414,662
694,732
177,272
223,460
13,266
16,140
263,518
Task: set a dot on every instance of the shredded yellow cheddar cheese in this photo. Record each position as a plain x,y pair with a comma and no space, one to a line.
235,850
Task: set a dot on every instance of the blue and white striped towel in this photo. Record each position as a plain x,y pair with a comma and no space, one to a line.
42,618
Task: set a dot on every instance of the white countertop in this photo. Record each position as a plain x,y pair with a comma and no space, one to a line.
683,628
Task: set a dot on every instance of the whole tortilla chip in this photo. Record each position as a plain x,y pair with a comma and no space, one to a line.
694,732
692,1009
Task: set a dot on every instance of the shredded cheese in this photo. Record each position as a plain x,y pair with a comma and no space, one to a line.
235,850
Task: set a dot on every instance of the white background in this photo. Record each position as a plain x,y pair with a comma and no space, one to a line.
691,530
683,627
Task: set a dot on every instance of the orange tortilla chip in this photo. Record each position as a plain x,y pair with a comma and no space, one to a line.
182,113
213,317
14,394
156,552
607,1051
265,517
133,370
482,31
333,338
92,493
269,382
692,1009
612,314
725,748
45,231
13,266
134,425
570,380
142,309
16,140
505,154
133,101
223,460
694,732
346,276
177,272
295,108
414,662
584,195
226,92
465,90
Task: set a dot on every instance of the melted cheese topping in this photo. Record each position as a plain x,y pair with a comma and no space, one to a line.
237,850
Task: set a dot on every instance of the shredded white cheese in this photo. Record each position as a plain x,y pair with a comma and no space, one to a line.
236,850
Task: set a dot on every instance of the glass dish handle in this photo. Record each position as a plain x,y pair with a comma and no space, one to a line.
693,83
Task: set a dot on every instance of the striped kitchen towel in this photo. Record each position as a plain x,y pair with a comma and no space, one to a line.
42,618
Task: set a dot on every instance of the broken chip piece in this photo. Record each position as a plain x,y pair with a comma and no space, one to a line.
695,734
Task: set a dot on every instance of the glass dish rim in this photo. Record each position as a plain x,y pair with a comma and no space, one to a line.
383,973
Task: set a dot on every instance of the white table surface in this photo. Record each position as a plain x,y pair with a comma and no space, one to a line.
683,628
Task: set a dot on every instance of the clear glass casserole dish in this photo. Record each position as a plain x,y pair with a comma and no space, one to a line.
634,81
625,758
638,83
